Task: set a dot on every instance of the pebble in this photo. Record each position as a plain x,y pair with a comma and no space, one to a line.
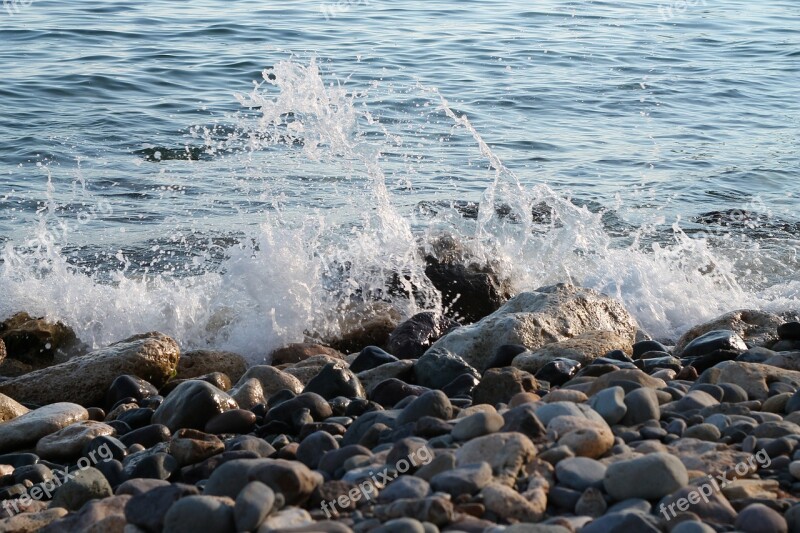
27,429
477,425
200,513
191,405
580,473
591,503
314,447
87,484
650,477
151,499
721,339
642,405
433,403
127,386
468,479
499,385
234,421
436,368
757,517
405,487
253,504
189,446
371,357
610,404
335,379
507,453
69,442
292,479
558,371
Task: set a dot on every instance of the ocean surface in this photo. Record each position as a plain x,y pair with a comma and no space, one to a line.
241,174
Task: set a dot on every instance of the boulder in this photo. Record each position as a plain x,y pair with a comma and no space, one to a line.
583,348
191,405
649,477
757,328
754,378
534,319
499,385
200,362
414,336
36,341
84,380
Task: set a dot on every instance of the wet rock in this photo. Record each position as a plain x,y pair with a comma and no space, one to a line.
610,404
10,409
364,324
335,379
129,387
85,379
147,436
650,477
272,380
200,513
253,504
151,464
295,353
722,339
437,368
580,473
371,357
414,336
399,370
67,443
292,479
754,378
432,403
87,484
37,342
642,347
789,331
233,421
533,319
191,405
756,328
507,453
558,371
468,479
318,408
499,385
583,348
28,428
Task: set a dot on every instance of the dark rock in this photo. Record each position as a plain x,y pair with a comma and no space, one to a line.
642,347
285,412
292,479
499,385
428,427
721,339
313,447
414,336
437,368
733,393
36,342
468,479
504,355
332,461
558,371
129,387
19,459
656,363
113,471
390,391
405,487
191,405
251,444
233,421
371,357
137,418
87,484
433,403
200,513
704,362
789,331
335,379
148,509
157,465
462,386
523,419
105,446
147,436
580,473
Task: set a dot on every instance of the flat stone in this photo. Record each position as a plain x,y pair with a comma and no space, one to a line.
27,429
67,443
650,477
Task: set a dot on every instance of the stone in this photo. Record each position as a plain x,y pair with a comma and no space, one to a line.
414,336
756,328
10,409
584,437
436,368
106,515
272,380
610,404
467,479
238,421
789,331
314,446
31,522
151,463
371,357
650,477
477,425
288,520
523,419
757,517
504,355
229,478
318,408
433,403
692,526
404,487
533,319
84,380
87,484
708,432
642,405
128,387
295,353
580,473
196,363
721,339
509,504
434,509
399,370
591,503
507,454
36,341
558,371
292,479
401,525
248,394
499,385
189,446
253,504
613,378
25,430
191,405
68,442
624,521
642,347
334,380
200,513
583,348
754,378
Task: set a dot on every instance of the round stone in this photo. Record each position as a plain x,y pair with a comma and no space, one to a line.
650,477
69,442
580,473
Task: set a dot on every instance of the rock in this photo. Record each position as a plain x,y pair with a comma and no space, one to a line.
68,442
591,503
152,464
650,477
504,355
229,478
27,429
507,454
399,370
189,446
371,357
287,521
624,521
708,432
468,479
641,405
721,339
334,380
30,522
790,331
533,319
191,405
509,504
499,385
196,363
401,525
583,348
126,387
313,447
432,403
364,324
434,509
85,379
523,419
437,368
414,336
610,404
757,517
10,409
611,379
272,380
405,487
106,515
756,328
584,437
87,484
253,504
295,353
286,412
36,341
200,513
558,371
580,473
293,480
754,378
248,394
477,425
642,347
238,421
461,387
305,370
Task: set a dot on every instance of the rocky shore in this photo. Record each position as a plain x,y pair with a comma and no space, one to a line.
552,412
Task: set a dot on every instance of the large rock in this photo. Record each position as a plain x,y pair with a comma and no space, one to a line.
584,349
36,341
757,328
27,429
201,362
437,368
85,379
534,319
754,378
10,409
414,336
367,324
501,384
191,405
